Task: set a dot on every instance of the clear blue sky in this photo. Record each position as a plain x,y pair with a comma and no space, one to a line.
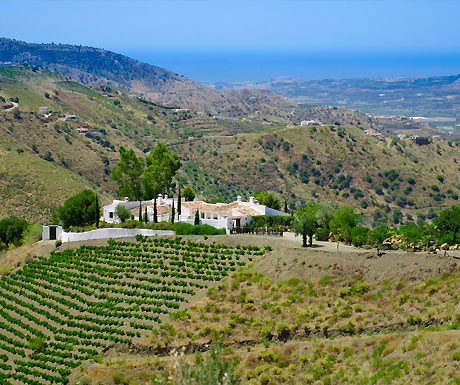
214,40
261,25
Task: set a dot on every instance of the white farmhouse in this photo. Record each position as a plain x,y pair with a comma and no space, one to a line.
220,215
310,122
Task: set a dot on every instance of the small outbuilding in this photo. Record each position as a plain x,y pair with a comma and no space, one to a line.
52,233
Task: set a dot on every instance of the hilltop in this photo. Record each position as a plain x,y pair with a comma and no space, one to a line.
76,143
95,66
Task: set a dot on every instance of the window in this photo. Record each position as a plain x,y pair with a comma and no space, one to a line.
202,215
110,215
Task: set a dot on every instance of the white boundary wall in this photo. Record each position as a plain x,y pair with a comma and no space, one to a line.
105,234
111,233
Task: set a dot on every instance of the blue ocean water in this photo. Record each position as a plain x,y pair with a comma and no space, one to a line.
259,66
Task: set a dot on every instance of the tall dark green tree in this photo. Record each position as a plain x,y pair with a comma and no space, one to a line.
146,217
179,203
129,174
79,210
188,194
162,166
197,217
155,211
173,212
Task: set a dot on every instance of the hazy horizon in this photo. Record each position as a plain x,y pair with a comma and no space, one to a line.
243,66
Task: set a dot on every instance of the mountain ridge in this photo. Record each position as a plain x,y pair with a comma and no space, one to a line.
96,66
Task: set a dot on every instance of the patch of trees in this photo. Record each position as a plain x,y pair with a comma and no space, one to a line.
188,194
342,225
268,199
11,231
80,210
144,178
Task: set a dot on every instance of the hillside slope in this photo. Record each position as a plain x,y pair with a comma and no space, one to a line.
335,163
333,318
383,177
94,66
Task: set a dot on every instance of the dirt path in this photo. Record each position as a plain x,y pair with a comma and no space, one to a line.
15,105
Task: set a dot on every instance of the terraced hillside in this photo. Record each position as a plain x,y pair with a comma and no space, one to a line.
51,157
60,311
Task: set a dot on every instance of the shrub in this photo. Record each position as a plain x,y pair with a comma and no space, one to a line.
322,234
188,229
37,343
212,370
271,221
123,213
32,234
359,235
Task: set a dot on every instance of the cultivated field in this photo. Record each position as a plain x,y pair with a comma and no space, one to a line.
123,312
59,311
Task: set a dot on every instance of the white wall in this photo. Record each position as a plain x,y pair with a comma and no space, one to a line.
225,223
110,233
270,211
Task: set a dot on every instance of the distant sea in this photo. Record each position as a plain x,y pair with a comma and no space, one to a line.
211,67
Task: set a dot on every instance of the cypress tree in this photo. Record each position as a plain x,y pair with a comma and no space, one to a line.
179,204
146,218
286,207
173,212
155,212
197,217
97,211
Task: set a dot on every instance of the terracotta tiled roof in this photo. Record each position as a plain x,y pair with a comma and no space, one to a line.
234,209
243,212
161,209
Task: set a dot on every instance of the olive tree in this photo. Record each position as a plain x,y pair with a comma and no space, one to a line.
305,222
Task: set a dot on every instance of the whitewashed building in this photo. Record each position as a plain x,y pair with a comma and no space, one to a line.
220,215
310,122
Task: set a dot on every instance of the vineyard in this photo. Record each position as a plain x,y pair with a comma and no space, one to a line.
57,312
